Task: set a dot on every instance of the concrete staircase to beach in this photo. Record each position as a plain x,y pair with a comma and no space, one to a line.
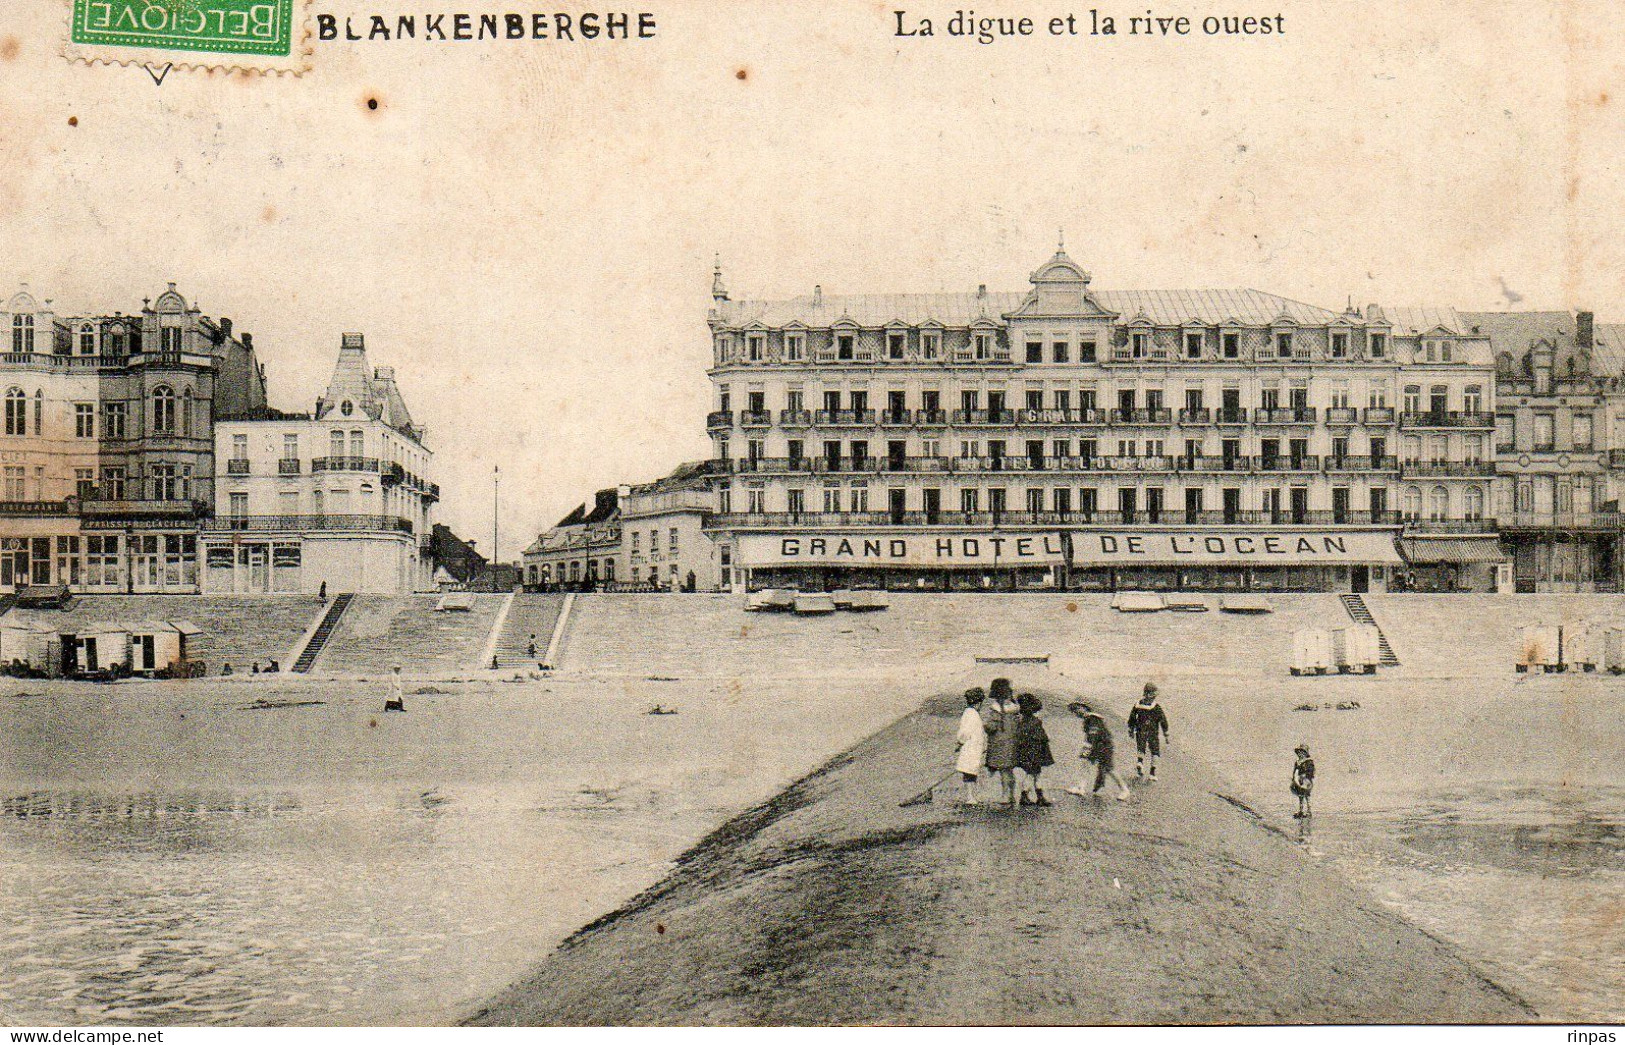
324,631
529,615
1361,614
381,631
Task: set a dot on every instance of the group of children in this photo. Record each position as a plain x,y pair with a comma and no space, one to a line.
1001,733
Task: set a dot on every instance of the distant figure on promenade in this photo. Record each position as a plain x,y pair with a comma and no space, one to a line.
972,744
321,592
226,670
254,668
1148,725
1032,748
1002,713
272,667
530,647
396,699
1303,781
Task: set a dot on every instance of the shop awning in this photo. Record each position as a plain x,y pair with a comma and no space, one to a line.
1459,551
1233,548
889,548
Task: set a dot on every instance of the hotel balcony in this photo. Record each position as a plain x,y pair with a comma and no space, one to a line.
1079,517
845,417
1289,463
793,418
931,418
1287,415
1362,464
984,417
1232,415
719,419
288,466
1342,415
755,419
1560,521
345,464
1480,525
1142,417
1196,417
897,418
1447,419
237,466
1448,469
1216,464
1378,415
285,523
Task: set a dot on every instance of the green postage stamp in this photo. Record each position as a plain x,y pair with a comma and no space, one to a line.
261,35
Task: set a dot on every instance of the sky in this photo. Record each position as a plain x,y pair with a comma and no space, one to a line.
526,231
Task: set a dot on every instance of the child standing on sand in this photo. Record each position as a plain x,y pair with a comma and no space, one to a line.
972,746
1032,748
1099,749
1303,780
1001,742
1148,725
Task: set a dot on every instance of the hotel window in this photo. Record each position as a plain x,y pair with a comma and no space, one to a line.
1438,504
165,486
1438,400
1439,449
795,347
84,483
1283,345
186,413
170,343
724,400
113,483
637,542
16,413
755,343
1582,431
756,449
755,501
1062,500
1126,448
22,333
1231,346
1411,504
290,447
39,411
1060,448
930,346
1140,345
1035,399
84,420
1379,345
1340,346
860,496
1411,449
1413,399
358,444
1063,399
1474,449
113,418
163,410
970,501
1472,503
996,500
895,344
843,346
1035,351
984,346
1086,351
1472,399
797,501
16,482
1545,428
1340,395
1377,399
1060,351
793,401
1270,398
930,448
1193,345
832,498
1035,500
1088,500
87,340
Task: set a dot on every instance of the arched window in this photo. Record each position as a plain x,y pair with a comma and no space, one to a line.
163,410
186,413
39,410
1473,503
1411,503
120,344
16,412
22,333
335,445
1439,504
87,339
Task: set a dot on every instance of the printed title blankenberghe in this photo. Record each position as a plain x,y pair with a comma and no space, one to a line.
461,25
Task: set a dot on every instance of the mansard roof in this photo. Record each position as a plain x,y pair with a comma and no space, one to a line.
1165,308
370,391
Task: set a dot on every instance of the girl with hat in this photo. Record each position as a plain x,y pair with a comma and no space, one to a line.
1032,748
1303,780
1001,717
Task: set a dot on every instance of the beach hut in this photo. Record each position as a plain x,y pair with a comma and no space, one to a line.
33,646
1138,602
1579,649
159,646
1611,644
814,603
1538,647
1312,651
1356,649
99,646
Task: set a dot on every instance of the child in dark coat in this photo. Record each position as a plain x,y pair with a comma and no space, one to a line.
1032,748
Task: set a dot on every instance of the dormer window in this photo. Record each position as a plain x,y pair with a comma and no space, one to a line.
1283,344
844,346
895,342
1340,346
795,347
1193,344
1061,352
87,340
1379,346
22,333
984,346
930,346
755,343
1140,343
1231,346
170,343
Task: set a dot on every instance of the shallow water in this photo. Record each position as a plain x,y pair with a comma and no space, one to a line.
299,907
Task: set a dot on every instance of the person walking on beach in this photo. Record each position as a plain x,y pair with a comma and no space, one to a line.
1148,725
1099,749
1002,713
396,700
1032,748
972,746
1303,781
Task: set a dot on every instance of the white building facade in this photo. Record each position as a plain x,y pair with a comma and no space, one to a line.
339,499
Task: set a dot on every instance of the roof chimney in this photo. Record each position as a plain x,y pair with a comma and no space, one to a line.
818,294
225,327
248,340
1585,329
